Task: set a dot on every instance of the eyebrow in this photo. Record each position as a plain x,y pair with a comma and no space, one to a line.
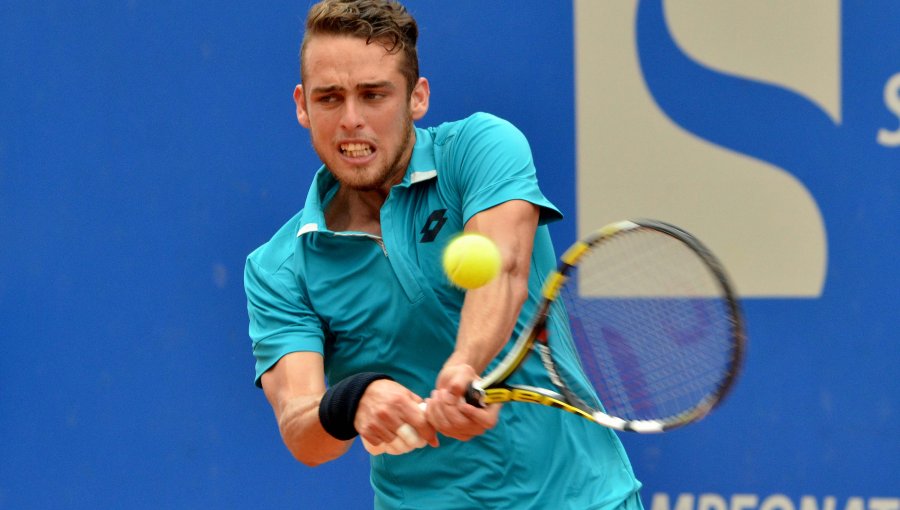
362,86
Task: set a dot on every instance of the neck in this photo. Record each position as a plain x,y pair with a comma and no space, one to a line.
356,210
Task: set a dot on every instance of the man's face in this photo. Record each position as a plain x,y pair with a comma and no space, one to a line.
355,103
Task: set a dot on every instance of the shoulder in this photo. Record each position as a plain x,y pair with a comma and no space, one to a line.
275,253
478,127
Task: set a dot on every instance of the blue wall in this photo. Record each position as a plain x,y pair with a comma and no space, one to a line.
147,147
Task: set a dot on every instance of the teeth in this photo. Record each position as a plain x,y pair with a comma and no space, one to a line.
356,150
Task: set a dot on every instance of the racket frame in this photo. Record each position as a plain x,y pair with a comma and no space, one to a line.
492,388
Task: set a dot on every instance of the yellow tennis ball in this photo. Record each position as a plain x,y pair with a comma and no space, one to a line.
471,260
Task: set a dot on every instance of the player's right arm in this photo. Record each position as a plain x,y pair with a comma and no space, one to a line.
295,387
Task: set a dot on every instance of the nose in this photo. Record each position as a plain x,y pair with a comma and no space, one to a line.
352,115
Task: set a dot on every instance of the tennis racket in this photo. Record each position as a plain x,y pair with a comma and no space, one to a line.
656,325
655,322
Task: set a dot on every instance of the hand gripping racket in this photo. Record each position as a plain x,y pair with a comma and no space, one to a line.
655,322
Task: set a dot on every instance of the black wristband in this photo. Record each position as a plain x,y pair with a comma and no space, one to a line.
337,410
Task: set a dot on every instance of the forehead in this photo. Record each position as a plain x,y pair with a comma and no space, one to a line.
346,61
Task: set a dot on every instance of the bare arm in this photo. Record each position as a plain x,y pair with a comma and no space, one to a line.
487,320
294,388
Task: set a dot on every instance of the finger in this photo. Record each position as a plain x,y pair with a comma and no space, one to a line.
374,449
456,378
455,386
398,447
452,406
407,439
435,412
376,435
457,419
409,436
423,428
446,416
427,431
395,447
485,417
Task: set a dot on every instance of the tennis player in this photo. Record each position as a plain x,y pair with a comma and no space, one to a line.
351,291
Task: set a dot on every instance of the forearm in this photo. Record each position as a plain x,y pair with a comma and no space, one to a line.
294,388
489,313
488,317
302,433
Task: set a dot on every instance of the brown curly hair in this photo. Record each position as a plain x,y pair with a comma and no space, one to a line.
385,22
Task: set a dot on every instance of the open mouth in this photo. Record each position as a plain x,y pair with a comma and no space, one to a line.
356,150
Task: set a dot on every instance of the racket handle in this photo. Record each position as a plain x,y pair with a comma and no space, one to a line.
474,396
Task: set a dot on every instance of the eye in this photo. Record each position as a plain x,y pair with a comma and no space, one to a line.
327,99
373,96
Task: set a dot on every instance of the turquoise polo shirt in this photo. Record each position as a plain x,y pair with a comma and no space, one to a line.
383,304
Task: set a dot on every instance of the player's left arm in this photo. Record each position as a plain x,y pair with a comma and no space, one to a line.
487,320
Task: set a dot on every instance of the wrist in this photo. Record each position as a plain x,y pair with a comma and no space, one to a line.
463,360
337,409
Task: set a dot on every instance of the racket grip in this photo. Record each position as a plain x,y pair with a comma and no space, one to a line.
474,396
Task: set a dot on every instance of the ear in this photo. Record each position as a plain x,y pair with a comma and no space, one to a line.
418,100
300,101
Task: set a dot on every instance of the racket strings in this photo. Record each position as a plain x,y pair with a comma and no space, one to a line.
650,322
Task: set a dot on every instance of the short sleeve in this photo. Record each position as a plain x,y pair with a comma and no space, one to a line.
281,320
491,164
